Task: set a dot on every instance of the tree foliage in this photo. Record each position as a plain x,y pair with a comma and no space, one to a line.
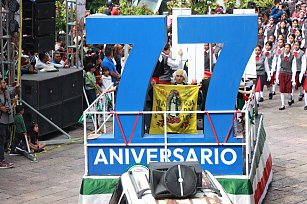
264,3
60,16
243,3
126,9
198,7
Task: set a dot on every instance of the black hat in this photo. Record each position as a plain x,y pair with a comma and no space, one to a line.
88,66
109,3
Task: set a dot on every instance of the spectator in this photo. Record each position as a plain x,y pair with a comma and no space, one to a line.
57,60
276,11
118,53
106,79
207,55
26,66
90,82
108,9
19,142
33,139
180,77
106,85
296,11
6,118
43,60
166,66
108,62
115,11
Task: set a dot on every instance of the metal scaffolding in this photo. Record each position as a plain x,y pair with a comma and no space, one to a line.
7,46
74,36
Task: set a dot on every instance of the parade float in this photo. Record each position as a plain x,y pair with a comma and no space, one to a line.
232,145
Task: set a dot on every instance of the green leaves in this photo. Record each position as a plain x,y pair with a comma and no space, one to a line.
60,16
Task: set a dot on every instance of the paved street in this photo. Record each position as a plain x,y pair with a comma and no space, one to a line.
287,134
56,177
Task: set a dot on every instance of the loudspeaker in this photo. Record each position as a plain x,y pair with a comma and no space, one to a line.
72,109
53,113
39,27
45,93
73,85
42,91
39,10
38,43
174,180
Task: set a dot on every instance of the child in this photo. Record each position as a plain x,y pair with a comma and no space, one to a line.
262,70
303,81
269,55
106,79
300,62
107,84
33,139
21,131
286,70
90,82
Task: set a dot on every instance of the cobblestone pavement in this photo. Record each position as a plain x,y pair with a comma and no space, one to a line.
287,134
56,177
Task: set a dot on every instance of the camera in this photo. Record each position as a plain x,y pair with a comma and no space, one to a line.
8,110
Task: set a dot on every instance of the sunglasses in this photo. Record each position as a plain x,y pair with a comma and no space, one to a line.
179,76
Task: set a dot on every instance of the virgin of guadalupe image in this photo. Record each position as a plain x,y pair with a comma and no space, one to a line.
174,103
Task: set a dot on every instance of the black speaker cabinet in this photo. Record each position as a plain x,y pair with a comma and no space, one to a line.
39,9
39,27
72,109
38,43
56,95
42,90
53,113
73,85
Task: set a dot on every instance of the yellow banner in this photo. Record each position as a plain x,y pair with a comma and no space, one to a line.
174,98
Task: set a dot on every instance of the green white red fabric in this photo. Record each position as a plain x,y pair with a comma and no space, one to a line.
254,189
97,190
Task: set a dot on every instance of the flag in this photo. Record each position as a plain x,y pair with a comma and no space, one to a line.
174,98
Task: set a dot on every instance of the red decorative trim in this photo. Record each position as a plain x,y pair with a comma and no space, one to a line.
264,180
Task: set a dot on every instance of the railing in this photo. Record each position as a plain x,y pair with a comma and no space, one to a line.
101,117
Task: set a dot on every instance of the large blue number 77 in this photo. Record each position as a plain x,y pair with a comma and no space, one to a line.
148,36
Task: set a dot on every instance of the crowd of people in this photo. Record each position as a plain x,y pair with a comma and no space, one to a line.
15,136
281,52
